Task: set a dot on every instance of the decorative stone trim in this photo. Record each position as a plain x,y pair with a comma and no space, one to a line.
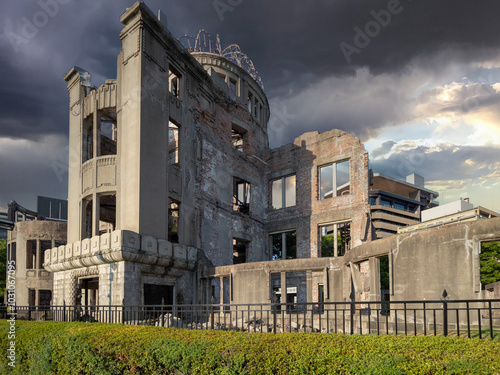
121,245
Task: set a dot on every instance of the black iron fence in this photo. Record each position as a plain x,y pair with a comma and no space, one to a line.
464,318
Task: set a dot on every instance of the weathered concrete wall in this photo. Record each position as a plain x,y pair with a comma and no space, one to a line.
36,278
421,264
303,158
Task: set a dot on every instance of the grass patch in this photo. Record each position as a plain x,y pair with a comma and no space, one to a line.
83,348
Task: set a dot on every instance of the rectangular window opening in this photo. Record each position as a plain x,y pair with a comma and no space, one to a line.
335,239
489,263
173,143
385,293
284,192
284,245
174,81
32,297
237,138
108,134
157,294
87,218
88,139
334,180
276,290
241,196
11,248
173,220
232,88
296,292
107,213
44,298
249,102
239,251
44,246
31,254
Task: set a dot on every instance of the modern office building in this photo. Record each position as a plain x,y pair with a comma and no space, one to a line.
395,203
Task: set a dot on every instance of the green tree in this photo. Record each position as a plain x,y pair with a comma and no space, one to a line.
384,273
3,262
490,262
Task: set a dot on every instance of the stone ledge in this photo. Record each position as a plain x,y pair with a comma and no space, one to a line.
120,245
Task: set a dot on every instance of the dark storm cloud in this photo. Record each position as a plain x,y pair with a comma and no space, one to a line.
294,44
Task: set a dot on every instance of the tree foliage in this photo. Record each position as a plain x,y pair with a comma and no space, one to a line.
490,262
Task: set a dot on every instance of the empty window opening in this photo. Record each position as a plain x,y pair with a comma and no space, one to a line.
107,213
237,139
108,134
89,288
241,196
385,293
232,88
489,263
334,180
249,102
284,192
12,251
173,144
284,245
88,139
321,299
296,291
226,292
87,218
256,108
31,255
44,246
335,239
239,251
173,220
276,290
158,294
174,79
44,299
32,297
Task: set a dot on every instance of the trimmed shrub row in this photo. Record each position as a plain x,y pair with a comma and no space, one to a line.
83,348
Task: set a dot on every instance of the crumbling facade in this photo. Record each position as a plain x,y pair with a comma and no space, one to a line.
170,173
26,245
175,196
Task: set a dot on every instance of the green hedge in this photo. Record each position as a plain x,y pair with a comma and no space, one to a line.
91,348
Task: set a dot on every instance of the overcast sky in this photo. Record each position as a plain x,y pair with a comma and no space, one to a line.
417,81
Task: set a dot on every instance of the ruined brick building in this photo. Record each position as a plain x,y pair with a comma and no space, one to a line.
174,193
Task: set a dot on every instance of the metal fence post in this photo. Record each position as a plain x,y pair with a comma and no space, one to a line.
213,314
64,310
161,312
445,318
274,307
491,319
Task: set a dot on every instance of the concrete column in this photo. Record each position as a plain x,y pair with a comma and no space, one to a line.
96,129
221,287
283,287
96,203
38,255
374,265
309,286
335,241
